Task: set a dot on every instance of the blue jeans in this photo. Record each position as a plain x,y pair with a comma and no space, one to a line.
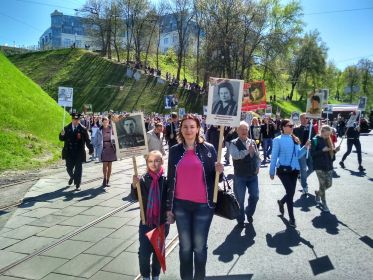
267,147
145,252
239,187
193,222
306,168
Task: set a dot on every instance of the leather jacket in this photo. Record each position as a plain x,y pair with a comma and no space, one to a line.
207,155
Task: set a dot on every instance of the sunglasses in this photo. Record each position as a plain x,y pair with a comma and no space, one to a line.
289,125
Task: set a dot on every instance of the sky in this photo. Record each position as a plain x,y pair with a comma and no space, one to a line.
346,26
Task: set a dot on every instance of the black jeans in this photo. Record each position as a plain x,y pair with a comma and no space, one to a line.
356,143
289,181
145,252
74,168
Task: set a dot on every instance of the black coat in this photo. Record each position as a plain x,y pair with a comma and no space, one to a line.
145,183
321,160
74,142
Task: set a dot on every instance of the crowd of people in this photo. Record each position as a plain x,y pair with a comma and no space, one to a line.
182,192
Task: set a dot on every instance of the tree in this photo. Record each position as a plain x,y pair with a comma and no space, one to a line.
182,11
308,59
365,67
352,78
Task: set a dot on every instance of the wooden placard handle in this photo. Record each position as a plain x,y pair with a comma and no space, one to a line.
220,147
142,214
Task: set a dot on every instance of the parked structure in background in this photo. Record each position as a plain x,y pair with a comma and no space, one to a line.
69,31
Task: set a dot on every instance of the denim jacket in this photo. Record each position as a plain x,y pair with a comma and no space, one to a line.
207,155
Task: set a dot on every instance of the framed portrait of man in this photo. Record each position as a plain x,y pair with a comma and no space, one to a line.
224,101
130,135
315,101
65,96
295,116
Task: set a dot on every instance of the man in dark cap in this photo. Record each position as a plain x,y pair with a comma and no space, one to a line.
75,137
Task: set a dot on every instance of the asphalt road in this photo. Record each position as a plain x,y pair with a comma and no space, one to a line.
336,245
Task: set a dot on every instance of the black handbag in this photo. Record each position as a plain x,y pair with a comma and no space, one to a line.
227,205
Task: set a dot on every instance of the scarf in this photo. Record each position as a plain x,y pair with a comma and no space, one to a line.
153,208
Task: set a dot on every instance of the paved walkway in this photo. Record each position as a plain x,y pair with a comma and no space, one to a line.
324,246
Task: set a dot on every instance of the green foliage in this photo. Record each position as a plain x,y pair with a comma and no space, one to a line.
100,82
30,121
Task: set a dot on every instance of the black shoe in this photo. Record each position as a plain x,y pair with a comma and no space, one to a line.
103,183
280,207
361,168
292,223
250,219
70,181
77,187
240,225
342,164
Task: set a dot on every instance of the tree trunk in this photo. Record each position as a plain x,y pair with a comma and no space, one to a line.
148,47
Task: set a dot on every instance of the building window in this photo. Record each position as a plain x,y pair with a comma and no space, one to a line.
165,41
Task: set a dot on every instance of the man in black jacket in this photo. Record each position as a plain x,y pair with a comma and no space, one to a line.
172,130
353,135
306,165
267,131
75,137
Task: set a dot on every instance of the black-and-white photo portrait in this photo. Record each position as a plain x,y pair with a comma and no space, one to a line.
225,99
130,132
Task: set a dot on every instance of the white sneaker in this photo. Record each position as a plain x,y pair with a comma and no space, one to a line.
146,278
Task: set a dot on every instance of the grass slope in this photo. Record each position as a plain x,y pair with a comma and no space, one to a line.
30,121
99,82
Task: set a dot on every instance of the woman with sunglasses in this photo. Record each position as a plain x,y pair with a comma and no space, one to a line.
286,151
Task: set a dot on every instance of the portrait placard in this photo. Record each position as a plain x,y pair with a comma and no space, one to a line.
254,96
170,101
295,117
65,96
224,101
362,103
130,136
314,105
181,112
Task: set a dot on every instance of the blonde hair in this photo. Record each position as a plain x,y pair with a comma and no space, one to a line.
155,153
327,128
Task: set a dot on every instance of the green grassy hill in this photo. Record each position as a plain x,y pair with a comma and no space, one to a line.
99,82
30,121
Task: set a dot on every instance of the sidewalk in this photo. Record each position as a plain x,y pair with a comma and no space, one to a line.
51,210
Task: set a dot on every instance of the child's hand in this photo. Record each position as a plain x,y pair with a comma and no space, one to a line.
219,167
135,181
170,217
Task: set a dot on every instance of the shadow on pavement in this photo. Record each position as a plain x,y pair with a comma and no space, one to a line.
63,192
357,173
235,244
284,240
305,202
231,277
327,221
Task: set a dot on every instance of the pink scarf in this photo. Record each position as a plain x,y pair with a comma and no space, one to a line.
153,208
